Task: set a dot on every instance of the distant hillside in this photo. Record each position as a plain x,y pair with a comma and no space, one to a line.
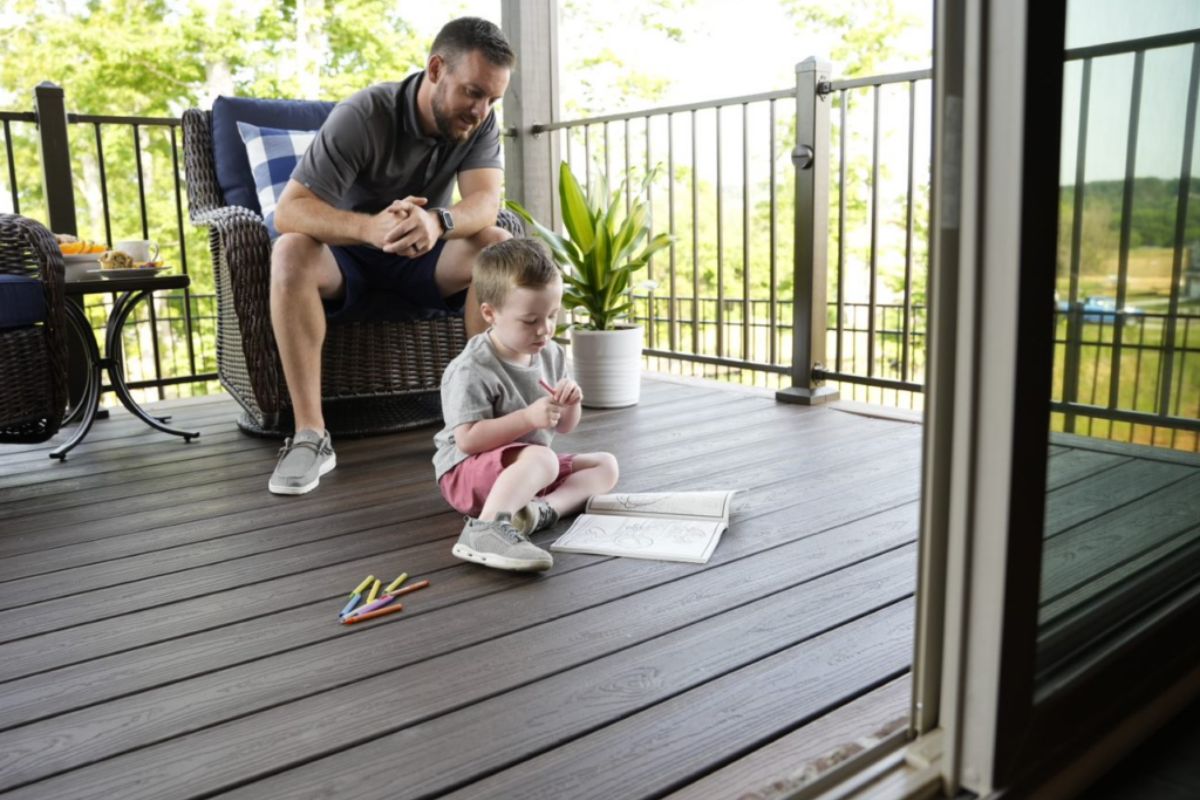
1155,201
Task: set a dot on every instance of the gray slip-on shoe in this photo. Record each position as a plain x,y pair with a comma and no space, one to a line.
302,462
498,544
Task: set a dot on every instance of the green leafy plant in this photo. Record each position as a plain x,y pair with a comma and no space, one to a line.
602,248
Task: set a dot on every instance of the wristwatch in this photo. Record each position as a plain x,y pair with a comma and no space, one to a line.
447,220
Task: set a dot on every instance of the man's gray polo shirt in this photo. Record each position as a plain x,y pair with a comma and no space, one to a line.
371,151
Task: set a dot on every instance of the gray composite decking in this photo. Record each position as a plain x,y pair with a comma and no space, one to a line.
168,627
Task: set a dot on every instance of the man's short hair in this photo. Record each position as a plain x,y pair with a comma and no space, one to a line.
460,36
510,264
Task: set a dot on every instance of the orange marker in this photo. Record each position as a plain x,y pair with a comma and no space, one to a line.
372,614
412,588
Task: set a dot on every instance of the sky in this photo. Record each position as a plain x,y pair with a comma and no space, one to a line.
759,48
730,48
1164,88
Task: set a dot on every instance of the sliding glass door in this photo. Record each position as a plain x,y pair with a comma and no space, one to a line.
1060,587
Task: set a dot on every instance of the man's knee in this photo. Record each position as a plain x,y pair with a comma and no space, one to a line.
295,256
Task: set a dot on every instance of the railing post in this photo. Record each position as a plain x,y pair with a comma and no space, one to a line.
530,158
50,107
811,158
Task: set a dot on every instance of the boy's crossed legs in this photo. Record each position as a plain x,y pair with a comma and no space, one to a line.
513,507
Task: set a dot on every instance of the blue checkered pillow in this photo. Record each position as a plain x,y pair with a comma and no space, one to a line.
273,154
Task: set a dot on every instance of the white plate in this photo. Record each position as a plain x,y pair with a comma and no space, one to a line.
136,272
82,258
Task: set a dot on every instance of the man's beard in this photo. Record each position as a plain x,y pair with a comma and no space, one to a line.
445,121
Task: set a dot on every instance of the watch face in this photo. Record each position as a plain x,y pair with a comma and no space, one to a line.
447,220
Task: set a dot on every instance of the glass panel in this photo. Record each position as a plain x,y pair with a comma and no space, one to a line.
1122,523
1092,22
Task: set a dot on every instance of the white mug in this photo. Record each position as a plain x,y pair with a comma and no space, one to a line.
140,250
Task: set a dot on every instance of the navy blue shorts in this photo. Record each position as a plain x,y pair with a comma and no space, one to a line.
384,286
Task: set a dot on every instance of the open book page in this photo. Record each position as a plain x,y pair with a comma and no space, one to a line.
677,505
642,537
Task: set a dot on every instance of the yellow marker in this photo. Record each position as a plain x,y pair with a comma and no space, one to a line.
366,582
374,591
394,585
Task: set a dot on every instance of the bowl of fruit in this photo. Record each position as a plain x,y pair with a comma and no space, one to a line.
79,255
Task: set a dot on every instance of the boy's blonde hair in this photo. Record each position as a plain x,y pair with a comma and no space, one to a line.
512,263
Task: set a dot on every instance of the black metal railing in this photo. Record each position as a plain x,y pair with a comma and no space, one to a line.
748,284
173,349
749,242
1100,339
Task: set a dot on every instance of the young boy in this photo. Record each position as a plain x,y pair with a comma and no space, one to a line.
493,460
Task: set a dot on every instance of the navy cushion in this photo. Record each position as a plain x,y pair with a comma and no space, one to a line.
22,301
272,154
229,153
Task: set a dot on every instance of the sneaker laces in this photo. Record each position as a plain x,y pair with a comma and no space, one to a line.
510,532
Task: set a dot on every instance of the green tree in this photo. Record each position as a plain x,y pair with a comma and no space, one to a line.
119,57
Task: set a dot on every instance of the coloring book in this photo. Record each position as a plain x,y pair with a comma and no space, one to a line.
667,526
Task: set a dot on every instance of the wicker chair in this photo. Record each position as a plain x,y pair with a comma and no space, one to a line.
376,377
33,356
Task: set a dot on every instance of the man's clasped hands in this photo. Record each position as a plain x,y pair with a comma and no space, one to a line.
405,228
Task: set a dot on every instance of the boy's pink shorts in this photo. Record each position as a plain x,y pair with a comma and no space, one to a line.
466,487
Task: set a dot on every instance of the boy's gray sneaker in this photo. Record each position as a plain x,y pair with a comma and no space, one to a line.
536,516
498,544
302,462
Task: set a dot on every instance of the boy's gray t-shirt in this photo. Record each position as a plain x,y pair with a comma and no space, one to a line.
371,151
478,384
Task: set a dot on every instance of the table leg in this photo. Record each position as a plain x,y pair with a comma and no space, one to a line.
116,371
90,400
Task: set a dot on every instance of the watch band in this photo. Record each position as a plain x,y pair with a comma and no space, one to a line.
446,219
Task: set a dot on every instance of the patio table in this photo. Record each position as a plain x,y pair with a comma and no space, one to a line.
130,290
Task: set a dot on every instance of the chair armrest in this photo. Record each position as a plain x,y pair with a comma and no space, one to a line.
241,254
203,190
29,250
241,251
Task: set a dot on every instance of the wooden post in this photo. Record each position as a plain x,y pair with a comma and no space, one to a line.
51,109
531,160
811,158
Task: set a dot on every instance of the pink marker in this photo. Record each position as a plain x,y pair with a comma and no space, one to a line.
546,386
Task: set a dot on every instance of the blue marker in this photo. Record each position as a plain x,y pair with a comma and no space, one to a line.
354,598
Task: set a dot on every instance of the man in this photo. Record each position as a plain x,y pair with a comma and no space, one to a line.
366,222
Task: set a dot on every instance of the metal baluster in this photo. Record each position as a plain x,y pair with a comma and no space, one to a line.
137,157
873,271
720,243
908,231
183,265
652,323
1071,360
773,357
745,233
671,320
1135,105
841,248
1181,214
695,247
607,161
103,186
12,169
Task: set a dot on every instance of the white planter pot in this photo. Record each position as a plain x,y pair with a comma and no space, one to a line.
608,366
